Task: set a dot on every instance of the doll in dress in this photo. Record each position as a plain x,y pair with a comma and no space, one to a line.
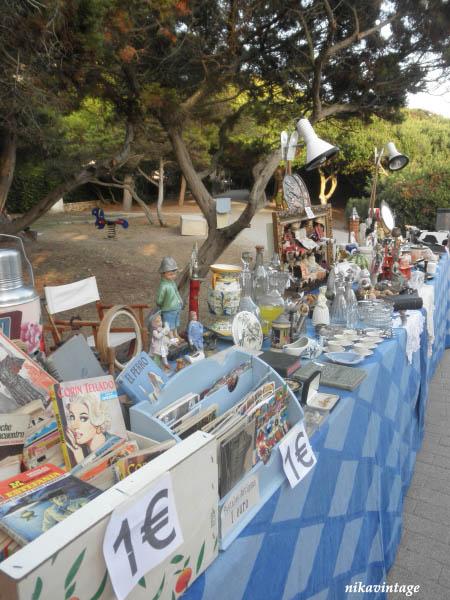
159,346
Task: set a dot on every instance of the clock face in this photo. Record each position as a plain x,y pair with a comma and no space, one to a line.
295,193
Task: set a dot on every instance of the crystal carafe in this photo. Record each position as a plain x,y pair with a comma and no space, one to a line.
270,303
352,304
338,314
260,277
246,278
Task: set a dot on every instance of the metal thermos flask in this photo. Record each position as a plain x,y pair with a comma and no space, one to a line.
20,309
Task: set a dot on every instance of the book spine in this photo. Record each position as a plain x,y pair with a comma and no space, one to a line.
13,534
62,439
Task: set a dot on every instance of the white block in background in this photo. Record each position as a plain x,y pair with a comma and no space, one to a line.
223,205
193,225
269,247
222,220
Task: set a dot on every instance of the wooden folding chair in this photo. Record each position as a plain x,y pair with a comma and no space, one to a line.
67,297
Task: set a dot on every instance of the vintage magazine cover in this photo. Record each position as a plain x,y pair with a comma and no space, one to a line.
12,433
27,517
88,415
28,481
21,379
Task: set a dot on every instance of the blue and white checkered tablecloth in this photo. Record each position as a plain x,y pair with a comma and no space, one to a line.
342,523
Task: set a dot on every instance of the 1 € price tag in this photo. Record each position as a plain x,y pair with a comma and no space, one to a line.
296,452
140,535
309,212
243,498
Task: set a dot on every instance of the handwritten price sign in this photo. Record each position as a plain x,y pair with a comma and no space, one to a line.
141,535
297,454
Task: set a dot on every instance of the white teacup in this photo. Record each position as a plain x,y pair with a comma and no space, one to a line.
335,347
431,268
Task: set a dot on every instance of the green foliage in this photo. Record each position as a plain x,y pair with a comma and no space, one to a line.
415,196
32,181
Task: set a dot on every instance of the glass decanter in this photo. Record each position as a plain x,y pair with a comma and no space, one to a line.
260,276
352,303
270,303
338,315
246,279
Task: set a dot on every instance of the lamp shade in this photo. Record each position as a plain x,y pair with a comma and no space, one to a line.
317,150
396,161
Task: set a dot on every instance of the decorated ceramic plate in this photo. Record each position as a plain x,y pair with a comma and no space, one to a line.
247,331
295,193
345,358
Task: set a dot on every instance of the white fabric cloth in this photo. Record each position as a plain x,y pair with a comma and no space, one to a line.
72,295
414,326
427,294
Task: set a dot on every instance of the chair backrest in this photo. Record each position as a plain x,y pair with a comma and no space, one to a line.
72,295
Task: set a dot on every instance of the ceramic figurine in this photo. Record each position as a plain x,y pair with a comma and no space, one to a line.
321,314
168,297
159,345
195,332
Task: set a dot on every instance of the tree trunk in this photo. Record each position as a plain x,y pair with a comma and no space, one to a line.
325,180
182,191
160,193
127,198
74,181
46,203
8,145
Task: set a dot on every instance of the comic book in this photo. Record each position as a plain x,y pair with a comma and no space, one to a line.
141,379
27,517
129,464
88,414
21,379
42,444
28,481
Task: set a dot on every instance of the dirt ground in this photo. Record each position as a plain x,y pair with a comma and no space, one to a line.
69,247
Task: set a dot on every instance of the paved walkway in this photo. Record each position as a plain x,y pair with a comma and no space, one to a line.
424,554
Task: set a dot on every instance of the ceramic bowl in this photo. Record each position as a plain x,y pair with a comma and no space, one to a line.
343,341
350,334
334,347
362,349
372,340
373,332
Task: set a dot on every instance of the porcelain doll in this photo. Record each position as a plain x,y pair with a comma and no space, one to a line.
168,297
195,332
159,346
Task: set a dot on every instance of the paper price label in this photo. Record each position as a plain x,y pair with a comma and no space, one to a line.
140,535
297,455
244,497
309,212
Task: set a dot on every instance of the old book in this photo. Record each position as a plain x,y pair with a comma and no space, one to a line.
22,381
27,517
236,455
74,360
13,428
129,464
28,481
333,375
141,379
88,414
284,364
177,409
198,421
42,444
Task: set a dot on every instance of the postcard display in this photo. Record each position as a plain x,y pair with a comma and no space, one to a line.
263,479
67,561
